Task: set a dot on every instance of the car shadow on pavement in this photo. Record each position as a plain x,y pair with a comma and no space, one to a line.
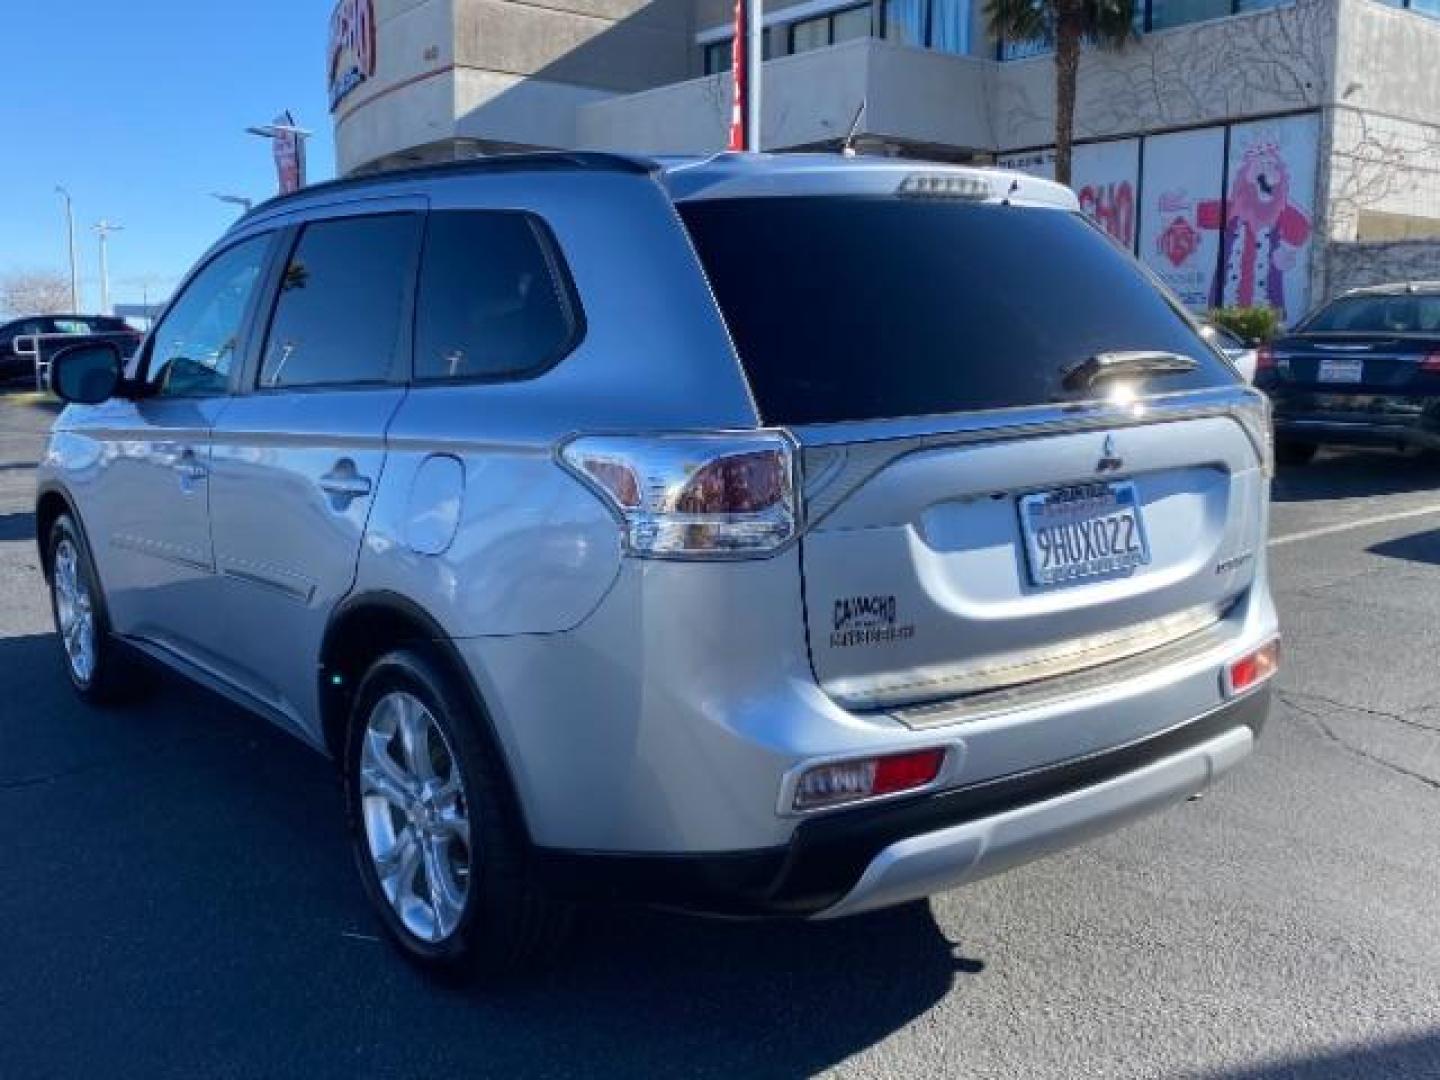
1420,547
19,526
1349,474
182,899
1417,1056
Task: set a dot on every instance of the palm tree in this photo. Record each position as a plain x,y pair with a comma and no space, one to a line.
1064,25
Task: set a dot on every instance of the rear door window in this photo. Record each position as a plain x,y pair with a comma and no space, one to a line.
495,301
860,308
343,295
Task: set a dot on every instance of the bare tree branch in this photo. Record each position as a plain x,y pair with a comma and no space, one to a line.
33,292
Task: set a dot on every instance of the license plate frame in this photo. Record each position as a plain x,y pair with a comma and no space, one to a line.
1082,514
1341,369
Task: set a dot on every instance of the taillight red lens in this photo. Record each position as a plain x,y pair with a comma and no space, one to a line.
703,495
618,479
866,778
1431,362
905,771
1253,669
1264,358
739,484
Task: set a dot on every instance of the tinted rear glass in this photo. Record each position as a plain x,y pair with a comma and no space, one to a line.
861,308
1379,315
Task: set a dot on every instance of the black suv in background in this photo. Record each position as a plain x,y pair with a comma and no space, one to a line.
14,366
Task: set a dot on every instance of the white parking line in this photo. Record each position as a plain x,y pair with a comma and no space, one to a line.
1358,523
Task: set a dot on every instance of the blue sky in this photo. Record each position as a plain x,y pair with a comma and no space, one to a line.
139,108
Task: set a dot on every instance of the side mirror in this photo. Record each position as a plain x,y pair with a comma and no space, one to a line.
87,374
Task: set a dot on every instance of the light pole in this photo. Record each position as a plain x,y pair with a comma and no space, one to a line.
235,200
104,228
74,259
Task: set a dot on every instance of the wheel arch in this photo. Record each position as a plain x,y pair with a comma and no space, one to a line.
364,628
51,502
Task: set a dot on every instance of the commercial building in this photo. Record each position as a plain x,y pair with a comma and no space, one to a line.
1248,151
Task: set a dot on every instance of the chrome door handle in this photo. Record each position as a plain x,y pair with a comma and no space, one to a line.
352,487
189,468
344,485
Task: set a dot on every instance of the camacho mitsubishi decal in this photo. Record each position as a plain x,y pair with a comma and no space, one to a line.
867,620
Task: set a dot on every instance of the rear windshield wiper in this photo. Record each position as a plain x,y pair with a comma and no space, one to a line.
1108,365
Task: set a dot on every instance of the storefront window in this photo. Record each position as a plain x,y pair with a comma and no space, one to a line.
851,23
950,26
718,56
810,34
1167,13
905,22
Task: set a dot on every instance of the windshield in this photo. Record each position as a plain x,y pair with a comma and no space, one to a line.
859,308
1410,314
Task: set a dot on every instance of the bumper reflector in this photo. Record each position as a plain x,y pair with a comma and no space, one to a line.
866,778
1252,669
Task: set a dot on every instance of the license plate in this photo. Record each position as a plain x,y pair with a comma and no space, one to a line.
1342,369
1083,531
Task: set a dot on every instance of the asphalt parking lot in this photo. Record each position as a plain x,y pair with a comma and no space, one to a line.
179,900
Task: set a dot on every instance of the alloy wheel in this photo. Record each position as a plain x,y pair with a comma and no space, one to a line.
416,816
75,611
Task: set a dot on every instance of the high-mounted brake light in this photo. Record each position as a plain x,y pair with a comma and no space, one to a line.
694,496
841,782
944,186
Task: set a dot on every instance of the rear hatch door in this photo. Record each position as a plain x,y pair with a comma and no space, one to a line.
979,518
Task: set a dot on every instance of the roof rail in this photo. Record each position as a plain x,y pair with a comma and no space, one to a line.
538,161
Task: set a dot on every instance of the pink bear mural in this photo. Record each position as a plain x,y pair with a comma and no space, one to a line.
1264,231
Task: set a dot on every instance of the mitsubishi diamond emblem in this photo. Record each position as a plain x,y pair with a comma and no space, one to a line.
1109,461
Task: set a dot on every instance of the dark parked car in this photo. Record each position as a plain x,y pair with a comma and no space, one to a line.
15,366
1363,370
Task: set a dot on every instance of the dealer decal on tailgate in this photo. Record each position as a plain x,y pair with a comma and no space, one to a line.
867,620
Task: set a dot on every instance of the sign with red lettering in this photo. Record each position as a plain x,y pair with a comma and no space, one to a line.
1104,176
289,154
1182,174
352,48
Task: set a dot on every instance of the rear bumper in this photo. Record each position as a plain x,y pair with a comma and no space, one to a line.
868,858
1368,420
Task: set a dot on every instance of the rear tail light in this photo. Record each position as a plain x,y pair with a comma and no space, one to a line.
1252,669
841,782
694,496
1431,362
1256,417
1266,359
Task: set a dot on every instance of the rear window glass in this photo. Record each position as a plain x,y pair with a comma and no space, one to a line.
862,308
494,302
1379,315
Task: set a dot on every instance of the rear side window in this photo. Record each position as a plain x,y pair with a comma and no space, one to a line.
339,312
494,301
860,308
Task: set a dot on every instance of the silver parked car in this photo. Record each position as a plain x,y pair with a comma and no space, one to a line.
752,536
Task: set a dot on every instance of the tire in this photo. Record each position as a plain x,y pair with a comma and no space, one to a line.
1290,452
481,914
98,666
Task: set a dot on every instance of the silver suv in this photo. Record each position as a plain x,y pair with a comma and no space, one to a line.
752,536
